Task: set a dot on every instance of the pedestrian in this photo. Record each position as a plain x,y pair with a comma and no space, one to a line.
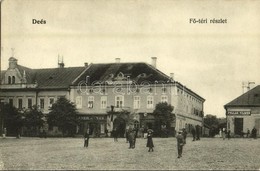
180,143
115,134
145,133
224,133
150,140
254,131
247,133
127,135
44,133
193,132
86,139
135,136
131,138
4,133
220,132
184,133
228,134
106,132
198,132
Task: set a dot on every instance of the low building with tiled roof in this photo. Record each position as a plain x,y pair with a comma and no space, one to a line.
243,113
24,87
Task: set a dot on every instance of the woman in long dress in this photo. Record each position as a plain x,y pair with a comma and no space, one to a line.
150,141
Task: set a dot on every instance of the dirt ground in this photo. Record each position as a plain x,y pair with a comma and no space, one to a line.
105,154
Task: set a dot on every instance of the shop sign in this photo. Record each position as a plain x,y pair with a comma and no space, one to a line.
90,117
239,112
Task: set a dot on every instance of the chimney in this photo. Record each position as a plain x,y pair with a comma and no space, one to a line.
12,63
117,60
172,76
60,63
86,64
154,61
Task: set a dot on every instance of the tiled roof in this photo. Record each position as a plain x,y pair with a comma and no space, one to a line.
136,71
50,77
250,98
57,77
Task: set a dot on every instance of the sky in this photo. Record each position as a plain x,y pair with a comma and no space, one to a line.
211,59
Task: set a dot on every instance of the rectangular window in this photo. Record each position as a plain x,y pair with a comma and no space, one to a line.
20,103
136,102
119,101
103,102
79,102
164,99
51,101
30,103
149,102
90,101
42,103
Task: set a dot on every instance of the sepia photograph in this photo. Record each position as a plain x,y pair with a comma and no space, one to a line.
129,85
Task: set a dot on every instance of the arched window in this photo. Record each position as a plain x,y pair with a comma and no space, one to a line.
13,79
9,80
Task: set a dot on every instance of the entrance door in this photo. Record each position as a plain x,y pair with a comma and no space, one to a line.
238,126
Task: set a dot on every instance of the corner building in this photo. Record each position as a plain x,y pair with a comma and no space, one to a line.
243,113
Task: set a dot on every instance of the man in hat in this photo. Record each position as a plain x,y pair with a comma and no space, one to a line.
180,143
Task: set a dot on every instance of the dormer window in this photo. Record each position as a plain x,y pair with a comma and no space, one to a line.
120,75
9,80
13,79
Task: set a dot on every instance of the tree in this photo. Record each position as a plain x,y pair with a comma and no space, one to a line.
12,119
163,117
213,122
33,119
64,115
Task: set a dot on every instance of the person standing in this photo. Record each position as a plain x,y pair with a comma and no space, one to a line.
193,132
254,131
247,133
184,133
198,132
150,140
115,134
127,135
4,133
180,143
224,133
135,136
131,138
106,132
86,139
228,134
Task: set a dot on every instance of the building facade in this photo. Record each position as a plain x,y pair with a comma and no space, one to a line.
103,92
135,88
243,113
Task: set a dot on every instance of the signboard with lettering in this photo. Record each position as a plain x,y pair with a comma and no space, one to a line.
238,112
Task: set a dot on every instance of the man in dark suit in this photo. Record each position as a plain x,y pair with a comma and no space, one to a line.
86,139
180,143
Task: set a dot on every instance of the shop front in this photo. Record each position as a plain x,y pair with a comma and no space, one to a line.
95,124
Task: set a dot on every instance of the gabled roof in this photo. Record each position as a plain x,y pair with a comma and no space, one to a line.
250,98
50,77
136,71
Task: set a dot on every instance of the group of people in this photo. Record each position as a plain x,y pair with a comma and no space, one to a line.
195,132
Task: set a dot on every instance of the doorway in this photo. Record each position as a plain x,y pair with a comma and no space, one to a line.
239,126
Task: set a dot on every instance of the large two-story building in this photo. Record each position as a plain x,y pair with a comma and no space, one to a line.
102,92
